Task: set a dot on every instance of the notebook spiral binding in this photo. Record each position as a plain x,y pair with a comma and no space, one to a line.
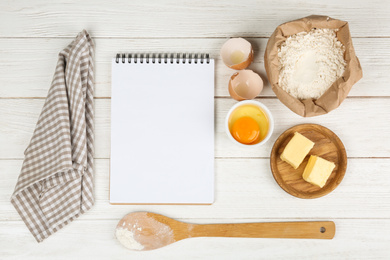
163,58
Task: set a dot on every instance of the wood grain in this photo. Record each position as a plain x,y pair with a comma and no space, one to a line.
309,230
362,138
33,32
355,238
245,189
154,231
183,19
38,59
327,146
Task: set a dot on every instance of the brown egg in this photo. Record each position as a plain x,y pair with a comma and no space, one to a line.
237,53
245,84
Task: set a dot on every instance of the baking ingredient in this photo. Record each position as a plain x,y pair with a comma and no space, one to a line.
246,130
138,231
237,57
296,150
237,53
126,238
245,117
245,84
318,170
310,62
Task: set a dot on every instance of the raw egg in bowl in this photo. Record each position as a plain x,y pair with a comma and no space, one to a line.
249,123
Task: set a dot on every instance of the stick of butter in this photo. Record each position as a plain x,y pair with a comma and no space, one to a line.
317,171
296,150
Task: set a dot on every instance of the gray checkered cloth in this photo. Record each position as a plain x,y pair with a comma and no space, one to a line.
56,182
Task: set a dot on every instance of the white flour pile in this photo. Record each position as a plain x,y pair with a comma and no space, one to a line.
139,231
310,63
126,237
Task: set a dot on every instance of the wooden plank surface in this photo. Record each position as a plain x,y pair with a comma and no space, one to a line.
360,123
355,239
245,188
184,19
33,32
36,59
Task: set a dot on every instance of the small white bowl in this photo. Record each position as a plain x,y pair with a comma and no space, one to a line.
263,108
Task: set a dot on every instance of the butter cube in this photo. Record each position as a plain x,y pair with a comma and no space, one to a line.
296,150
318,170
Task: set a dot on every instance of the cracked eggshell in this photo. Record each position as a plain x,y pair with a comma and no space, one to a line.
237,53
245,84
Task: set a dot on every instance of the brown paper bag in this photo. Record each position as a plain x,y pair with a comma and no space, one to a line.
336,93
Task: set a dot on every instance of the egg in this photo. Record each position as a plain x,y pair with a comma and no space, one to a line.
246,130
237,53
248,124
245,84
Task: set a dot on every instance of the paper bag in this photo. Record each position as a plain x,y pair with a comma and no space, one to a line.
339,90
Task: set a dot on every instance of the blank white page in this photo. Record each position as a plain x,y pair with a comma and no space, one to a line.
162,133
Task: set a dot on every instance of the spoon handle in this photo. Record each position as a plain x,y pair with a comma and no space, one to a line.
312,229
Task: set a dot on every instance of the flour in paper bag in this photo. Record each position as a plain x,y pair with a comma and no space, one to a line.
310,62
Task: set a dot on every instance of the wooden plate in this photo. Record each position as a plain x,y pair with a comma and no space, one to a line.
327,145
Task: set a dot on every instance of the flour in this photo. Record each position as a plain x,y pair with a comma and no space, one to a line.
139,231
310,63
126,238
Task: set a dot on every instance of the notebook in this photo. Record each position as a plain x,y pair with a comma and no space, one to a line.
162,129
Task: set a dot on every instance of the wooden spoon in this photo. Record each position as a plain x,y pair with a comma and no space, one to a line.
147,231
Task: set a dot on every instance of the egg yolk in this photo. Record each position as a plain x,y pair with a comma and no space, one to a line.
245,130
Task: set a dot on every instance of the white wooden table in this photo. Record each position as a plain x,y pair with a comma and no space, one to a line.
33,32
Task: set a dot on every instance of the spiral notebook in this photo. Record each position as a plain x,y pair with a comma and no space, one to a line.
162,129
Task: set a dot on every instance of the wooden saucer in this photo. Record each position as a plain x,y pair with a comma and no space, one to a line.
327,145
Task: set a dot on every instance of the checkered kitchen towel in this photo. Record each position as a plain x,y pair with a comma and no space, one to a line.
56,182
